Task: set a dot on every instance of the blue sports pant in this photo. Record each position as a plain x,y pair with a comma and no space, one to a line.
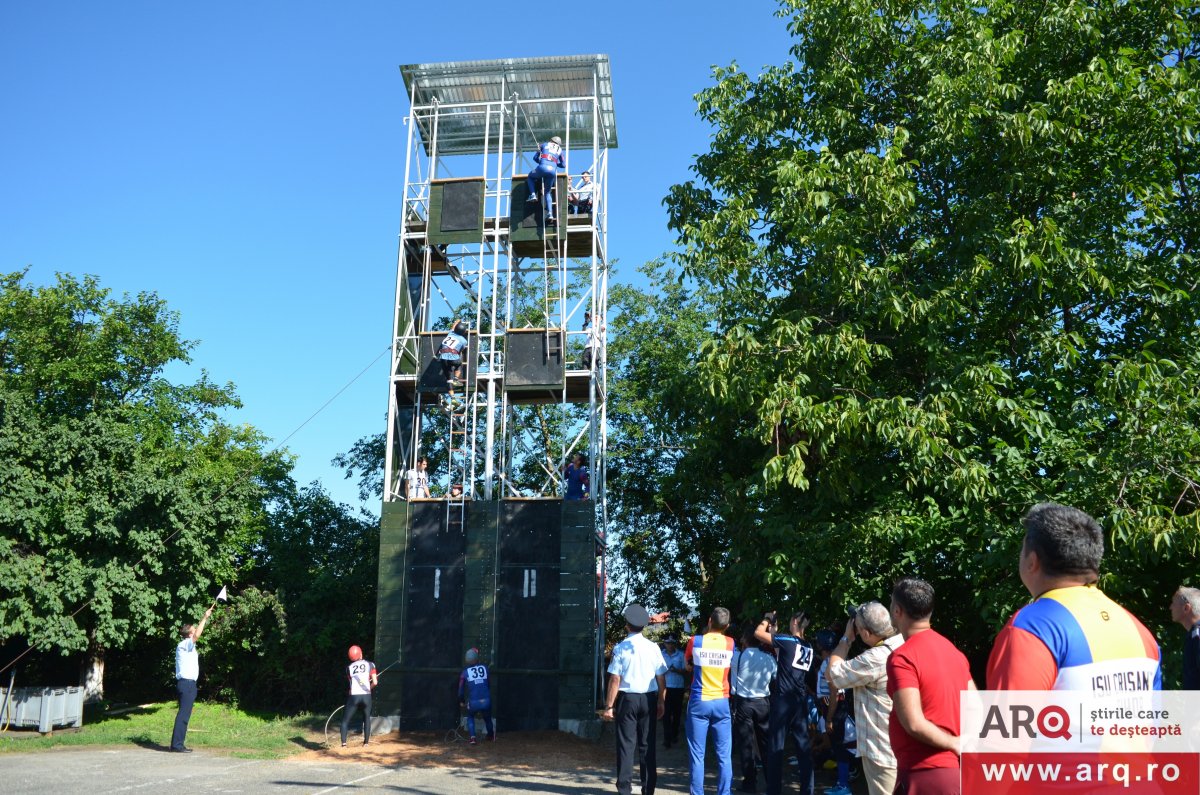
187,697
541,184
485,709
789,715
704,717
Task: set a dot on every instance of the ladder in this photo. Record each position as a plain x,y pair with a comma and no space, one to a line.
552,271
458,455
458,446
456,514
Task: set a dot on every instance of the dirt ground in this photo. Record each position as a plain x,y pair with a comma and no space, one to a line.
520,752
548,750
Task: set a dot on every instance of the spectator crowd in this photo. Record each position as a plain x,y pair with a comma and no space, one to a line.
876,694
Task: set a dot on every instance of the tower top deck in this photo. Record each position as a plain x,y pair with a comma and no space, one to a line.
539,85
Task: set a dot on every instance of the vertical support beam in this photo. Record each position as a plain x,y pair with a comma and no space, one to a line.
577,616
390,613
479,601
390,481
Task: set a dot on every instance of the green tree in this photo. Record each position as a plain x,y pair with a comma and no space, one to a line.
678,462
307,594
124,498
950,253
364,461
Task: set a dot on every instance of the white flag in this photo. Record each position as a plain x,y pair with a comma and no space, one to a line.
223,596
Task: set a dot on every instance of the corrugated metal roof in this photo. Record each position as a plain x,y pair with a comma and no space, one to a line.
547,80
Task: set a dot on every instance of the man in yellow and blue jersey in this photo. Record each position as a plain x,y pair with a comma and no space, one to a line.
1071,636
709,657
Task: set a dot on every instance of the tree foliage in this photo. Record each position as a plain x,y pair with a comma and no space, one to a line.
948,257
679,464
123,496
306,595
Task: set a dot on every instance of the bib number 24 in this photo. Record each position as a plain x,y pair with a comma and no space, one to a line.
802,658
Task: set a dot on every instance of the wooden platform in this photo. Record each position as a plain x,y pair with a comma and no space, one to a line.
576,391
580,233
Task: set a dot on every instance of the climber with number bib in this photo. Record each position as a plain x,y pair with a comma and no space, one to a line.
541,179
363,679
451,353
789,706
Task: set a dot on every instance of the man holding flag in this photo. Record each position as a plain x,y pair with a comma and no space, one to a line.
187,671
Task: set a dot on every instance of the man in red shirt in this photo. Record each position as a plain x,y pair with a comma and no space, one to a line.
925,679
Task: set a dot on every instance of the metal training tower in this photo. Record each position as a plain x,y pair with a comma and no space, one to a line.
504,557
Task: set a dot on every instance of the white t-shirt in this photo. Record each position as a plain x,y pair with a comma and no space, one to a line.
360,677
583,190
595,339
822,682
418,483
187,660
637,660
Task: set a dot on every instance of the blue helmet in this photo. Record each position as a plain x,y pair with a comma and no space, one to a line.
826,640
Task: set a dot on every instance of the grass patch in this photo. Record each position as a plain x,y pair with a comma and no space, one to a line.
250,735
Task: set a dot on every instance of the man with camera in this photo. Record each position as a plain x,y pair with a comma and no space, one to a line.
867,675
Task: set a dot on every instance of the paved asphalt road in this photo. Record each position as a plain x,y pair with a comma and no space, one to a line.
94,771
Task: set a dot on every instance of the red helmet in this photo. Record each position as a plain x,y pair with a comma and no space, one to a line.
354,653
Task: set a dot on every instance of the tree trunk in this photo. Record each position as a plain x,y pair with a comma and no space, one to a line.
91,675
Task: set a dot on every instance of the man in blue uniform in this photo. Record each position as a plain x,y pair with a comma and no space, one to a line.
577,477
789,707
676,683
450,353
549,159
475,694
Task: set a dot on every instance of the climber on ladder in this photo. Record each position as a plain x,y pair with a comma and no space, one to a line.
451,354
541,179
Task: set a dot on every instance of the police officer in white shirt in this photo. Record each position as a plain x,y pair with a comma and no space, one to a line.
187,671
636,700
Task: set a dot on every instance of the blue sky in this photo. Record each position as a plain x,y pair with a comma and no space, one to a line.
244,161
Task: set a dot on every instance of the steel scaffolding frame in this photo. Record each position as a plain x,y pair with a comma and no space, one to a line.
480,119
